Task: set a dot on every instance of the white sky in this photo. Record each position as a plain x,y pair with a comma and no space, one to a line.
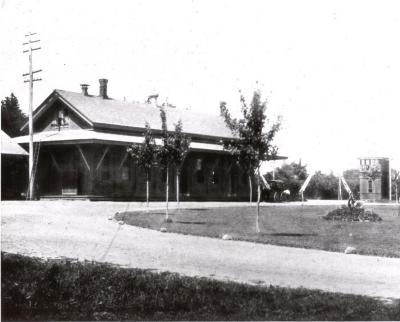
330,68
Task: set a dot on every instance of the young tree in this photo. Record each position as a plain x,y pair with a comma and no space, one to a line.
243,155
144,155
180,143
252,145
165,156
12,118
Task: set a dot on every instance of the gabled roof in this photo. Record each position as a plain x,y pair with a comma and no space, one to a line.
116,114
9,146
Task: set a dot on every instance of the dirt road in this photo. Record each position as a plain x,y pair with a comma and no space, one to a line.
80,229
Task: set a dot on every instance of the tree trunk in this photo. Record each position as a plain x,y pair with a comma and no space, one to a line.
147,191
177,189
166,194
251,189
397,193
258,200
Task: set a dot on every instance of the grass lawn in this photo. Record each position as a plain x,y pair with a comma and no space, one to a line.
33,289
289,225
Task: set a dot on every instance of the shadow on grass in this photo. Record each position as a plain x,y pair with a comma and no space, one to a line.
290,234
191,222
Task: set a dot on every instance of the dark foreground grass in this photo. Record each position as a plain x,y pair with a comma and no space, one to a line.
289,225
32,289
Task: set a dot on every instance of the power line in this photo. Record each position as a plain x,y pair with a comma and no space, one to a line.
31,80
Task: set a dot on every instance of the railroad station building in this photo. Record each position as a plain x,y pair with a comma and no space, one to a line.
81,142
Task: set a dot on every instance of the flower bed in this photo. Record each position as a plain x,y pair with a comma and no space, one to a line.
354,214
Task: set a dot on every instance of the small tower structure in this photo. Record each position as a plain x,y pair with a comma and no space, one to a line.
374,178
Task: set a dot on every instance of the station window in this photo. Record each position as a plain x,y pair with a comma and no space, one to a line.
199,164
125,173
214,177
370,186
199,172
61,118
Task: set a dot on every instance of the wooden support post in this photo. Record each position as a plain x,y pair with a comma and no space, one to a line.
228,169
123,160
55,162
229,177
102,157
216,162
83,158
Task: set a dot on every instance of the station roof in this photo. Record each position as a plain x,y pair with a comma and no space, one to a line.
121,122
111,113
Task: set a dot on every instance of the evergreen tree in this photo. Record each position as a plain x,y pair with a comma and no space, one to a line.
12,118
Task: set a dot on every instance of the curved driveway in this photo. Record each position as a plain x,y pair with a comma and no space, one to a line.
82,230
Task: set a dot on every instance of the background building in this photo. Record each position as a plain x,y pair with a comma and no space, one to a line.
14,169
374,178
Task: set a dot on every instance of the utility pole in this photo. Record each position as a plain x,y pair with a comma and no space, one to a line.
390,180
30,81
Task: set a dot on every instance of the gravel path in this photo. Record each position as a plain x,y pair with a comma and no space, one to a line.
79,229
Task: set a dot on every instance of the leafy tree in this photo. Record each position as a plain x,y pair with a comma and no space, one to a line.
12,118
292,175
323,186
144,155
252,145
180,143
165,155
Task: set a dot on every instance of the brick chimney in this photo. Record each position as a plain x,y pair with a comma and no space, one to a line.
84,88
103,88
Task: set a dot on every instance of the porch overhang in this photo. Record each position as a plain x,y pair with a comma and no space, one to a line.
82,136
90,136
